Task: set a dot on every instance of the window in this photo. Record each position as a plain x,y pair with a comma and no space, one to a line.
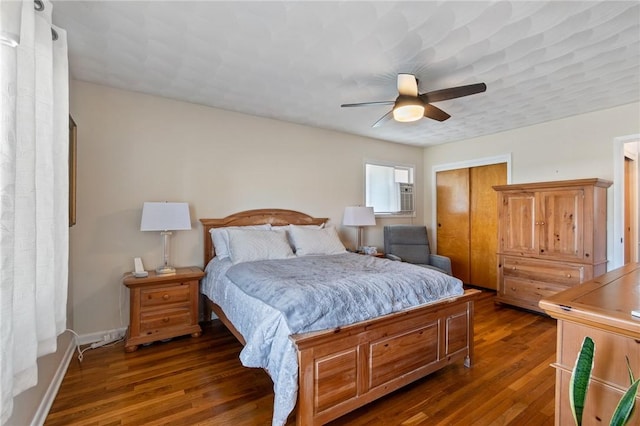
389,188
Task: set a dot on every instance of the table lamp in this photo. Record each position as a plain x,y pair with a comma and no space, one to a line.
165,217
359,216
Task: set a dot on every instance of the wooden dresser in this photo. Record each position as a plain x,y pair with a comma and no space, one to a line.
551,236
600,309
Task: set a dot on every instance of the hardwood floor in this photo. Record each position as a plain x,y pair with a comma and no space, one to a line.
189,381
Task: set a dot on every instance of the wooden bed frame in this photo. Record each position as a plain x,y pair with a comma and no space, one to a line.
344,368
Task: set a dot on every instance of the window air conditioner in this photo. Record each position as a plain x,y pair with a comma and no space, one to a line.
406,197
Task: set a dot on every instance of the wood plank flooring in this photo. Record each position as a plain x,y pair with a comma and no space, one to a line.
189,381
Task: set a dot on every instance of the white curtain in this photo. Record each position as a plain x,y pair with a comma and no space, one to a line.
34,192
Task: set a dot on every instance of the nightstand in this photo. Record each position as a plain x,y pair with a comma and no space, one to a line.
162,306
380,255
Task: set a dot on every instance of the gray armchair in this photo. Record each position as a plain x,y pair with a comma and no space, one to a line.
410,243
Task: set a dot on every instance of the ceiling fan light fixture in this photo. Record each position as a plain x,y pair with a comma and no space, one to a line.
408,108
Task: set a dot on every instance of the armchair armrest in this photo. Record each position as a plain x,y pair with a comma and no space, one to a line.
393,257
442,262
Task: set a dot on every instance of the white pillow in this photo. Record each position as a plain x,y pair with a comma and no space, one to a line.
247,245
310,241
220,238
287,228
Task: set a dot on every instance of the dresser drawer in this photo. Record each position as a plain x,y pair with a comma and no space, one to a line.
548,272
154,320
164,295
528,291
611,349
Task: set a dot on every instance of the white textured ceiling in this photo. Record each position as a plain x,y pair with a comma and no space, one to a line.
298,61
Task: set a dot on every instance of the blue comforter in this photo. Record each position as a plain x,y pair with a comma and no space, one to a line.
269,300
320,292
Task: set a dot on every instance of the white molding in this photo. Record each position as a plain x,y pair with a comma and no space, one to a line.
616,258
485,161
50,394
52,390
97,336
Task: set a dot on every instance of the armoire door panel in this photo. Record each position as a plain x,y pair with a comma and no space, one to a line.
452,213
561,224
518,212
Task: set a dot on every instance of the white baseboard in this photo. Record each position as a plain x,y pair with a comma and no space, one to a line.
35,413
52,390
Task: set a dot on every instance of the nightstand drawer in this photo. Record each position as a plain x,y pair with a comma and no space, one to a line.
153,321
163,296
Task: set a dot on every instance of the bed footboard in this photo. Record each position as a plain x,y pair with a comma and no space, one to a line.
345,368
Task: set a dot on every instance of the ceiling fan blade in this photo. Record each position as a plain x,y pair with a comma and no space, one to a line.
407,85
368,104
387,117
435,113
452,93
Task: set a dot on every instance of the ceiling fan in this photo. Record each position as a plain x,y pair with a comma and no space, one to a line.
412,106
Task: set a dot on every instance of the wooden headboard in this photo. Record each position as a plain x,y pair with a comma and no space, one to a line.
276,217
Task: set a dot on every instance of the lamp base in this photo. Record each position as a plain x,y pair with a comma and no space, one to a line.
165,270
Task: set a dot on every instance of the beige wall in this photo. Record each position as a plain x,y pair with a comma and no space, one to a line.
581,146
134,148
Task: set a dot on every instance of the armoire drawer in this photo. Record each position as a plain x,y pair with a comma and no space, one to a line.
527,290
548,272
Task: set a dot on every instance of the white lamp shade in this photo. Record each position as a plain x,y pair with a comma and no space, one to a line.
359,216
165,217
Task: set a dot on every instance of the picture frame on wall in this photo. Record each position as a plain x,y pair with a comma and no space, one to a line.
73,151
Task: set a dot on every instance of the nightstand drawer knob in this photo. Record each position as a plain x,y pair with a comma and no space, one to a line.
166,297
165,319
568,275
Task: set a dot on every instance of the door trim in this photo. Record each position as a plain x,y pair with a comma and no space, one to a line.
486,161
614,239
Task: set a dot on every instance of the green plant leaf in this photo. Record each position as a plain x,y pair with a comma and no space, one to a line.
580,377
625,406
631,379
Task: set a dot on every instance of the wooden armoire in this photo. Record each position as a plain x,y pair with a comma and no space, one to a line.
551,236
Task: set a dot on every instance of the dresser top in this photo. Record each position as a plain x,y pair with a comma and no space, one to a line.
605,302
181,274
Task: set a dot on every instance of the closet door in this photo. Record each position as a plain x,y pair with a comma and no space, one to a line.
483,223
452,212
467,221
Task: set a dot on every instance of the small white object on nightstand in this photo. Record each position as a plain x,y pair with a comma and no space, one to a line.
138,270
